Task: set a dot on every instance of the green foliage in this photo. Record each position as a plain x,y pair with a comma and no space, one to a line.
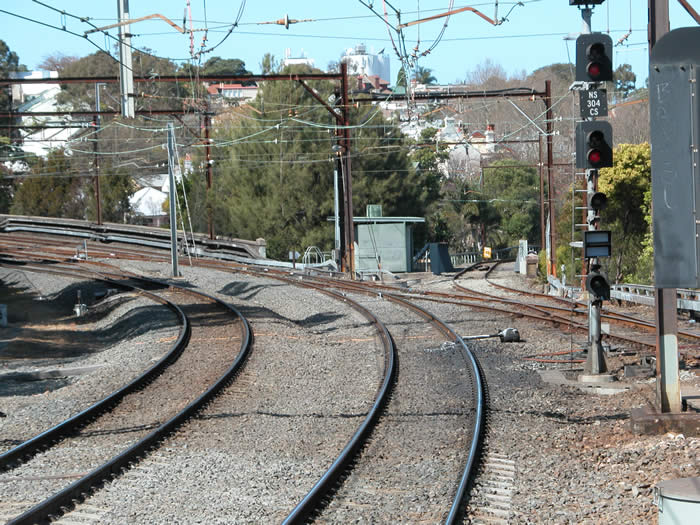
52,191
115,188
497,211
269,65
224,66
276,179
542,266
423,75
9,63
624,79
151,95
628,188
513,191
401,79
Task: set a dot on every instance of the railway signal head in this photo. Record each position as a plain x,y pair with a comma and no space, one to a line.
597,284
594,58
594,145
597,201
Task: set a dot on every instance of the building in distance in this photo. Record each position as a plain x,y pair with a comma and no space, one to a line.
368,64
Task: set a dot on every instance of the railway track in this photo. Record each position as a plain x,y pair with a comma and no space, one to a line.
296,515
632,331
131,420
635,331
351,494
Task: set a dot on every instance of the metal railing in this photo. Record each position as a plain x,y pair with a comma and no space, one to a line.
686,299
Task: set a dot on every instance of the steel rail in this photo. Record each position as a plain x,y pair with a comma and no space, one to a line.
66,498
543,312
13,457
480,405
617,317
479,387
314,498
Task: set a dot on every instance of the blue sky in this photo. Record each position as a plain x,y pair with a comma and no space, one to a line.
534,34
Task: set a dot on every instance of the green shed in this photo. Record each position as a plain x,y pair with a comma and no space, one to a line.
384,242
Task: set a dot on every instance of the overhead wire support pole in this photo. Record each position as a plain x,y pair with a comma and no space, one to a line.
349,248
549,127
207,126
126,74
96,168
171,198
540,164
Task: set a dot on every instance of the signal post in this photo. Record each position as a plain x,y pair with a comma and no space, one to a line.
594,151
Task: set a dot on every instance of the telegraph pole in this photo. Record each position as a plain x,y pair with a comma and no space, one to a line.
349,253
126,73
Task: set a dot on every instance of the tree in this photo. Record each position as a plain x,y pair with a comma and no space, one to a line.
269,65
9,63
515,192
624,79
116,186
628,188
150,95
487,75
224,66
58,62
276,178
51,190
401,78
423,75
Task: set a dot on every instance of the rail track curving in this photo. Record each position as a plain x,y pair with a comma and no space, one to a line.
150,407
17,245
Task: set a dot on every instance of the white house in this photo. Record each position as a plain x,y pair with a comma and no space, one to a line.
41,97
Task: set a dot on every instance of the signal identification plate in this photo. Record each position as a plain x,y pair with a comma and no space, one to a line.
593,103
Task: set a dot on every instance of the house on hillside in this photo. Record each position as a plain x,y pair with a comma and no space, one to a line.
369,84
148,201
51,132
302,60
232,92
367,63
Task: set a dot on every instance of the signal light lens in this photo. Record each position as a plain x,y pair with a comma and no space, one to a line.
594,157
594,69
596,138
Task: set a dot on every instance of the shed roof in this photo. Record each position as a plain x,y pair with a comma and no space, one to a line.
383,220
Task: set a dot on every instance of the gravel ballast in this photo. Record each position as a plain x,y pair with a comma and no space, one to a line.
256,450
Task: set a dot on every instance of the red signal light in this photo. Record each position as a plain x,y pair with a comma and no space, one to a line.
594,157
594,70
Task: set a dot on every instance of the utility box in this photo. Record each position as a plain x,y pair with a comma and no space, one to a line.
531,261
675,138
440,260
384,243
678,501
